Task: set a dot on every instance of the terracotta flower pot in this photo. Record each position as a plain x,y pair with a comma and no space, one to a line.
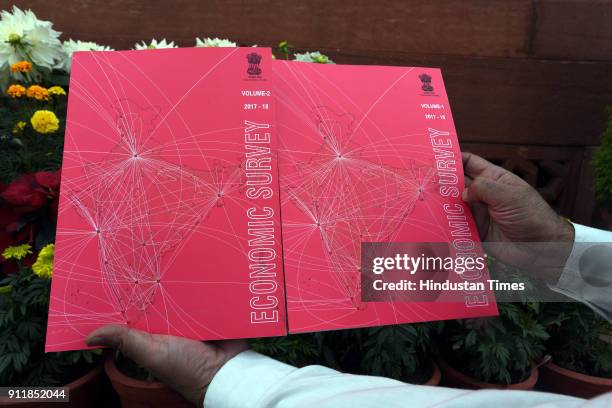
561,380
84,392
435,376
135,393
454,378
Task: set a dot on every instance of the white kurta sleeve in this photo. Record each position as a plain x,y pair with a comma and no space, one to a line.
587,275
256,381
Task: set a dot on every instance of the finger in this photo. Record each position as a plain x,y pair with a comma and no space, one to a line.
135,344
488,191
474,166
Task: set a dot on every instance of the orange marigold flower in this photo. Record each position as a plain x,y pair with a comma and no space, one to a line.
38,92
16,91
21,66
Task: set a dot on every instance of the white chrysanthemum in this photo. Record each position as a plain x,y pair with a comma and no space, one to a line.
154,44
70,46
214,42
313,57
25,37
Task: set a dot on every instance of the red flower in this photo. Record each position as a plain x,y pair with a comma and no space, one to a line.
25,203
32,191
48,179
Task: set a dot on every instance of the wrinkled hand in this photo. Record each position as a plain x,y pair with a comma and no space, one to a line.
187,366
508,210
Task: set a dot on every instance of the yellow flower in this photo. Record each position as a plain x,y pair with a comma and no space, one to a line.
56,90
16,91
19,126
38,92
44,121
17,252
21,66
43,267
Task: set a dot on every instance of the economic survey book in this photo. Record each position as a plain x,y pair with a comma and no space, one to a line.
228,196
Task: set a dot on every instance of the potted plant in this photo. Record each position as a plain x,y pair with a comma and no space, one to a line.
24,302
298,350
603,176
136,387
400,351
493,352
581,365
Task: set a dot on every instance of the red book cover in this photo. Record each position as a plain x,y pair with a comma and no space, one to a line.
366,154
169,211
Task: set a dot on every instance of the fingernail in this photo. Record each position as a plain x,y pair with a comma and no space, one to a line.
464,195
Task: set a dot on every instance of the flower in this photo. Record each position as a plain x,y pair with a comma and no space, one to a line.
316,57
44,121
23,36
24,202
17,252
43,267
154,44
16,91
19,126
56,90
37,92
214,42
70,46
21,66
32,191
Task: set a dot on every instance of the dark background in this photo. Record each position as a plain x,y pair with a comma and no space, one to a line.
528,80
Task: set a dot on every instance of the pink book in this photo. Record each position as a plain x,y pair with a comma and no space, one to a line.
178,164
367,154
169,210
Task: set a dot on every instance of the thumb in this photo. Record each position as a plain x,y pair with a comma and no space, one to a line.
135,344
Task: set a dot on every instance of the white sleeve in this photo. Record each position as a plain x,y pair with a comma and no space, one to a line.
591,250
256,381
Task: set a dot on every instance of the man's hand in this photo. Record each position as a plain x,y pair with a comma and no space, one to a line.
187,366
508,210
